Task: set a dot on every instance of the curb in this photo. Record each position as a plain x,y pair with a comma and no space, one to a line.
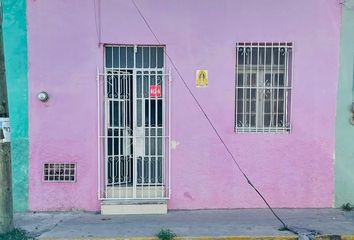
285,237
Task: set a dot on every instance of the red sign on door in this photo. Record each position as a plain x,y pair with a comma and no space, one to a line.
155,91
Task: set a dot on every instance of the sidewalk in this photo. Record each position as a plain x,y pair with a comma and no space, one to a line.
205,224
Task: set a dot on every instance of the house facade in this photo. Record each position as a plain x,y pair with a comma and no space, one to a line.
344,163
120,95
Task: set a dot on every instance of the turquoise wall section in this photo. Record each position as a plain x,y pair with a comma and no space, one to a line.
15,38
344,173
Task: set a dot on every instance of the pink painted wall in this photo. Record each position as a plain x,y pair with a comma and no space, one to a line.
292,170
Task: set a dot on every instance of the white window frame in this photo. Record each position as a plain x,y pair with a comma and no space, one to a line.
263,84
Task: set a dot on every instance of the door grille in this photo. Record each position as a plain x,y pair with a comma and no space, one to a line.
135,94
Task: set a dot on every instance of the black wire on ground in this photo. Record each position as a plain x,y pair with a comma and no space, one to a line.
210,122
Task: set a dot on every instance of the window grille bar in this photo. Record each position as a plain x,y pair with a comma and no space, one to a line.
250,92
244,90
277,78
156,139
264,85
147,180
256,94
134,122
271,91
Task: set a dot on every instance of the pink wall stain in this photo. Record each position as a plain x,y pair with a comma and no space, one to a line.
291,170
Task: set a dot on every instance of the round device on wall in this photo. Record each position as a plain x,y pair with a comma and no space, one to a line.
43,96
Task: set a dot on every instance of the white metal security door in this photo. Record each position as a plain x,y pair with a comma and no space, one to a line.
136,112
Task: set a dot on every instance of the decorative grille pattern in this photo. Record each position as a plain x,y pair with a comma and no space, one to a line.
59,172
263,87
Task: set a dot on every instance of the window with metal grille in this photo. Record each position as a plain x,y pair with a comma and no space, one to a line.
59,172
263,87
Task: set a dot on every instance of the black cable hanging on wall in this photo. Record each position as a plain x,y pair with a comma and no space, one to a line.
303,233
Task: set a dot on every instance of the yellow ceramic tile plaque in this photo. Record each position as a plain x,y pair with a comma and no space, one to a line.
202,78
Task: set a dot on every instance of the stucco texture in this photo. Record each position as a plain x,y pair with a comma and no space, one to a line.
292,170
344,177
15,41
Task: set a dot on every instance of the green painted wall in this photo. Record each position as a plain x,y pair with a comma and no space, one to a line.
15,39
344,160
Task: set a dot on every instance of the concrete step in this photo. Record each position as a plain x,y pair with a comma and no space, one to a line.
133,207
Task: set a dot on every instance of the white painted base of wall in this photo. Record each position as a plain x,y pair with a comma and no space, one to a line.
123,209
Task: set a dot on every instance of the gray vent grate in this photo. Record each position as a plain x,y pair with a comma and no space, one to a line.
59,172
